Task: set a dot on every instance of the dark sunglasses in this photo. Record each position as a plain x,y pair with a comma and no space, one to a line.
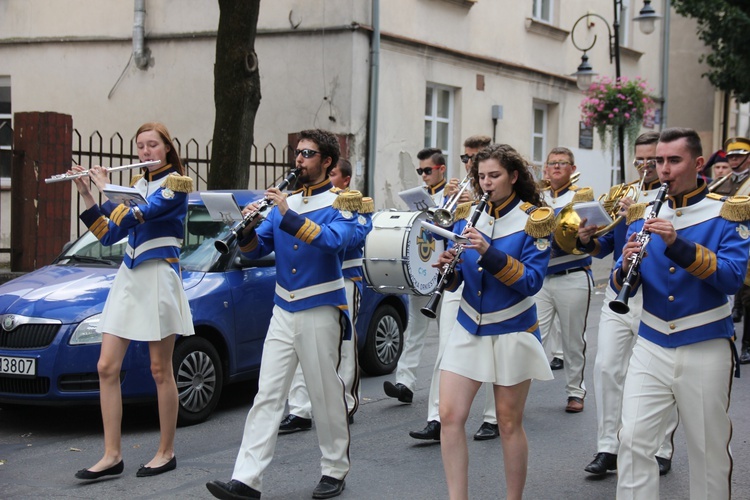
306,153
426,170
466,158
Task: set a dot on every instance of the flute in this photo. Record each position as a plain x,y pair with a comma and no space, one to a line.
70,177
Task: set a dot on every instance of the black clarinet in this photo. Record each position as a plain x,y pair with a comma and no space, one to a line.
620,304
234,232
430,309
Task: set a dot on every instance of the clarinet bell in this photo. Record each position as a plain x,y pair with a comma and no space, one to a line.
620,304
430,309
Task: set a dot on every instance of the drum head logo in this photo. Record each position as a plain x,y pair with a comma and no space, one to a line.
425,245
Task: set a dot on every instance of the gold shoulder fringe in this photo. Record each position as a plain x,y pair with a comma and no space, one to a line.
135,179
336,190
462,210
736,209
178,183
635,212
349,200
541,222
583,194
368,206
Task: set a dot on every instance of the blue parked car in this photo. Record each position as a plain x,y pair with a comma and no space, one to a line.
49,346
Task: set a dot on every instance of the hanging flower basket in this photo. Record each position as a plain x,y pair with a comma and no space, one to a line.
610,103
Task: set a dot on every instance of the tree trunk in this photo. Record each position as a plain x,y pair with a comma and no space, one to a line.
236,94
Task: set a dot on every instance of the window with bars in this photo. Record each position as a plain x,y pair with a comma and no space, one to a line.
438,119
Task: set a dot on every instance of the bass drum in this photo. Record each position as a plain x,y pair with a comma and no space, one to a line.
399,254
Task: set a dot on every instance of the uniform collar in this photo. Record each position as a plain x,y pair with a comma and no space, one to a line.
690,198
504,207
159,173
561,191
655,184
436,188
321,187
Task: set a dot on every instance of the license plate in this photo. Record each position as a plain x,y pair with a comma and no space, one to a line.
17,366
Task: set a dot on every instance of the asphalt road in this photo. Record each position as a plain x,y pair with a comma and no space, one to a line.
41,448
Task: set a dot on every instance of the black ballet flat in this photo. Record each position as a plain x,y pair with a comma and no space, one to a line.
116,469
144,471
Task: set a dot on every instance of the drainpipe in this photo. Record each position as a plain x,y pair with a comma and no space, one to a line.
141,53
665,65
372,121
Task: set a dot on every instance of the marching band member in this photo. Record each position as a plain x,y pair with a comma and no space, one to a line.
309,232
684,355
618,332
567,287
496,336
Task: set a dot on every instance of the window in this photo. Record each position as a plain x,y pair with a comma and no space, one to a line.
542,10
438,119
6,132
742,127
539,134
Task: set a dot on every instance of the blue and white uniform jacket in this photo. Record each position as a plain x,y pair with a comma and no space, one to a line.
154,230
355,251
309,241
685,286
499,286
437,192
557,199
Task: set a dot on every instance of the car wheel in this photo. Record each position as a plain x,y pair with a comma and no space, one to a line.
384,342
200,378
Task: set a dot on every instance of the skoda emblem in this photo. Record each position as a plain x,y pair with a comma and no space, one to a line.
9,322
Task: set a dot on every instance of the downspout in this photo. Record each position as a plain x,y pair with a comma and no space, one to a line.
141,53
665,65
372,120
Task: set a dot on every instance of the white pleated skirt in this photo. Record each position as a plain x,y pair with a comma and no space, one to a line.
505,360
146,303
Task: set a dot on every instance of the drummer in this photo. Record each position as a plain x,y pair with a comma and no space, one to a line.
432,170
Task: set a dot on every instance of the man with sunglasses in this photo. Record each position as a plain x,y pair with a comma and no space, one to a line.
618,332
432,170
309,232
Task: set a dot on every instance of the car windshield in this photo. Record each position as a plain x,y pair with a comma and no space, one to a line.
198,250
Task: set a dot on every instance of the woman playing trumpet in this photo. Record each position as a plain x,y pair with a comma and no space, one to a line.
496,336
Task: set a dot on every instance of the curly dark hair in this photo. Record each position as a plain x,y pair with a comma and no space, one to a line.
525,187
326,142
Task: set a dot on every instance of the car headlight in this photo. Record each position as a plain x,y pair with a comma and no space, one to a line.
86,333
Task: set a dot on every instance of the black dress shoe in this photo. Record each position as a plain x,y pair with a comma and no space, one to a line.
399,391
602,463
293,423
665,465
487,431
736,315
745,356
144,471
431,431
111,471
556,364
233,490
329,487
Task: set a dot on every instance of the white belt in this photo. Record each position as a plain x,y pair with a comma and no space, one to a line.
310,291
686,322
348,264
497,316
166,241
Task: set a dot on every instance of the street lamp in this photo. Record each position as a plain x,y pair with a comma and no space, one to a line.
585,74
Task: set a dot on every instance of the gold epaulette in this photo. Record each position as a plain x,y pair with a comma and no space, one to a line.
462,210
541,221
336,190
368,205
735,208
135,179
583,194
348,200
178,183
635,212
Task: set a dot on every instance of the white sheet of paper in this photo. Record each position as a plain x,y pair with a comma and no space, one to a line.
449,235
124,195
222,206
417,198
593,212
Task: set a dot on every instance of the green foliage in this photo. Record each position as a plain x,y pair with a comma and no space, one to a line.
724,26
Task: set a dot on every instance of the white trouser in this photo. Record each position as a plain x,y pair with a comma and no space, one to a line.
312,338
299,399
416,329
617,334
553,340
448,314
567,296
697,378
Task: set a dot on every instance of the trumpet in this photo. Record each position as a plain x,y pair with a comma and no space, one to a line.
620,304
234,232
70,177
545,184
430,309
445,215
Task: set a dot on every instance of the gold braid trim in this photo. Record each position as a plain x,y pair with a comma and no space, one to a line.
583,194
736,209
178,183
541,223
635,212
368,206
462,211
135,179
348,200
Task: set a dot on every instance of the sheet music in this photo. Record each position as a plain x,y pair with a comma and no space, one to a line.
594,212
448,235
418,199
222,206
124,195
